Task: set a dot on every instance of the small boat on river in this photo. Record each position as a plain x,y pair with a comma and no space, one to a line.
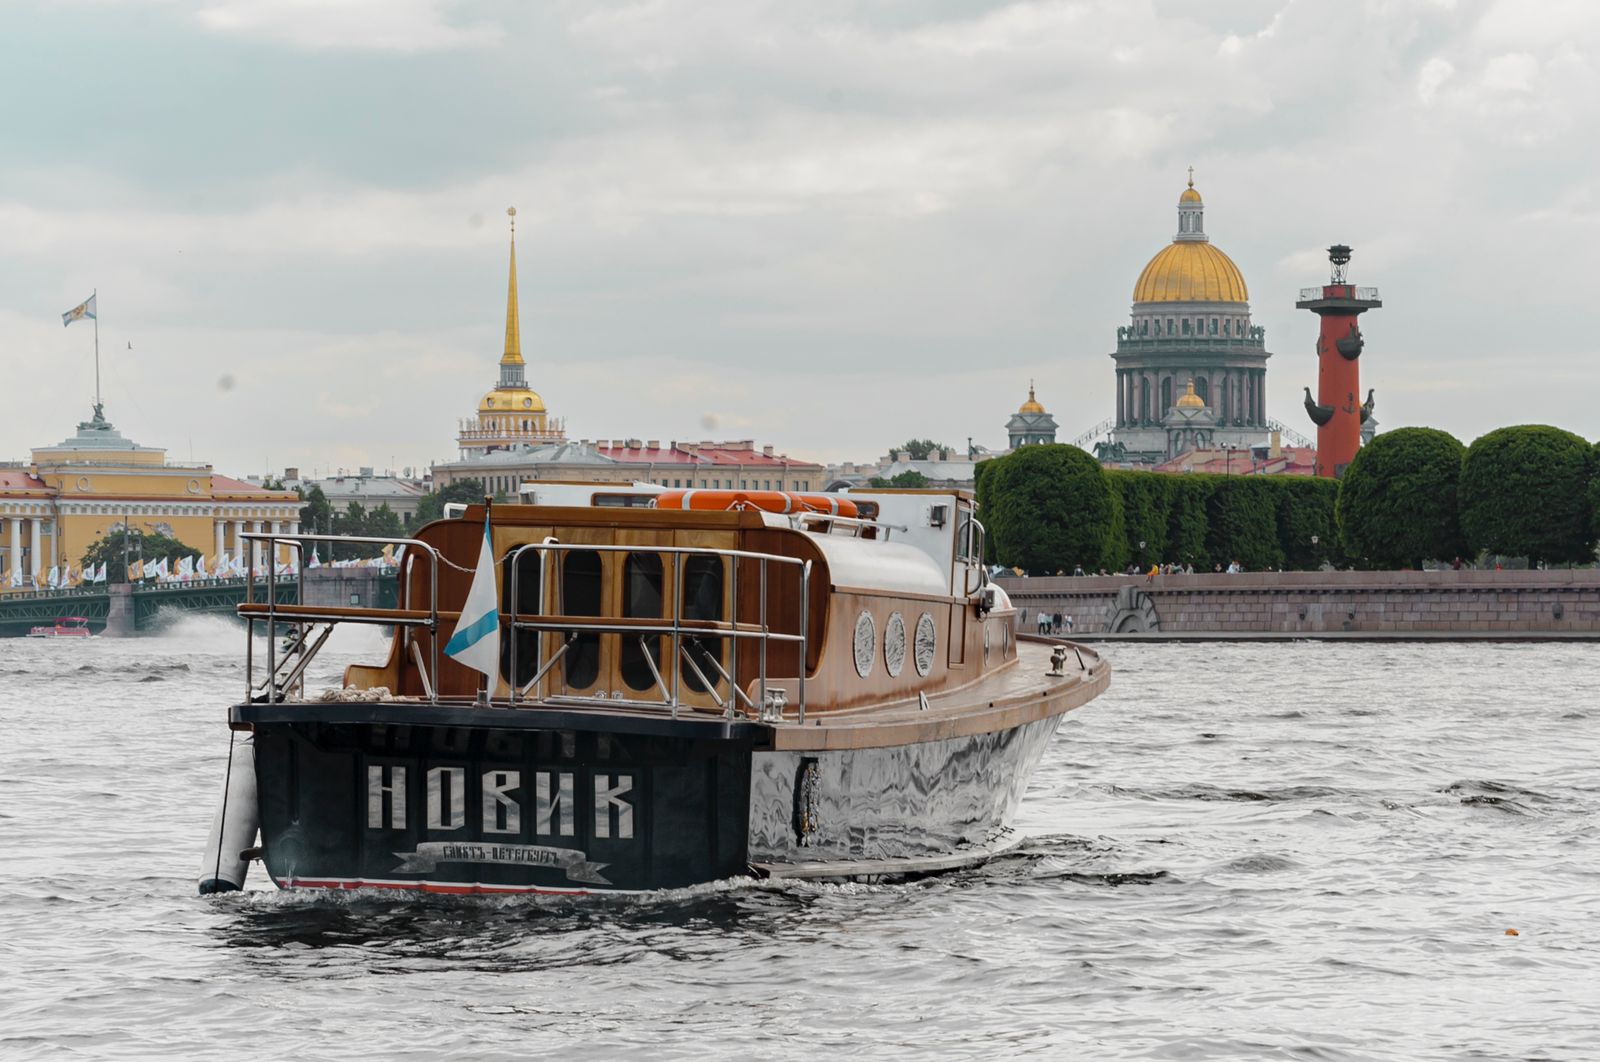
63,627
691,686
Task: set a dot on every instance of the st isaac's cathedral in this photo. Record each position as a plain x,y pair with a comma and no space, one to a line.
1191,368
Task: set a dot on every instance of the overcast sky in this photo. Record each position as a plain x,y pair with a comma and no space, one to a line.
827,226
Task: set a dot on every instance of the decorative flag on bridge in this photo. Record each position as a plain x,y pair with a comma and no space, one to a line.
135,570
476,641
84,310
100,573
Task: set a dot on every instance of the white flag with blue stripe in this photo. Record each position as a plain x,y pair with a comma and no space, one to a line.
476,641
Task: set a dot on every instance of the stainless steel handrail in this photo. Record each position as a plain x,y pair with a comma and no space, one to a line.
296,542
858,522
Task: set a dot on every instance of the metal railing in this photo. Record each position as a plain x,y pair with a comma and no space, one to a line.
855,524
676,631
274,689
283,675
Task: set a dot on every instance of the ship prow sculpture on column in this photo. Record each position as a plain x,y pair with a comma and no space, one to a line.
1336,411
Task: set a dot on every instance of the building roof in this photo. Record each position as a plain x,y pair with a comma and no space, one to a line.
227,485
20,479
740,452
1190,271
1293,461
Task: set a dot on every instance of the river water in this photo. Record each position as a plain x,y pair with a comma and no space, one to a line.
1274,851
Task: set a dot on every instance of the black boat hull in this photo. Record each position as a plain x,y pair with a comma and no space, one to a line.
524,801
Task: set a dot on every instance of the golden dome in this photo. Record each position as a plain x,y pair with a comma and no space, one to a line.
1032,404
1191,271
1189,196
511,400
1190,400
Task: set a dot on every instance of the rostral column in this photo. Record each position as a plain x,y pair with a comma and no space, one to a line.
1337,411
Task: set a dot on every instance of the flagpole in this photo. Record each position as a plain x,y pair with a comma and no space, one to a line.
94,296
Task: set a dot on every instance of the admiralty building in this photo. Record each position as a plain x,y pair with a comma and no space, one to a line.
1190,326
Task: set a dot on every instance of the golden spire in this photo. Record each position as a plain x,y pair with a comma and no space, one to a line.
513,354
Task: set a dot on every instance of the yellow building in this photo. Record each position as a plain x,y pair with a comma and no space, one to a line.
55,508
512,414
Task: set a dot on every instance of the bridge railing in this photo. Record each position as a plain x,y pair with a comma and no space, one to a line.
405,616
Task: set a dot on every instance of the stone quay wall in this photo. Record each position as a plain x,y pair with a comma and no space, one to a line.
1476,602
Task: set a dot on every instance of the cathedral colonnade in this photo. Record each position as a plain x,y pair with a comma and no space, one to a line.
1145,395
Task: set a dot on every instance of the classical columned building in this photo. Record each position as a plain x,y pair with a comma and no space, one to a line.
1190,323
54,508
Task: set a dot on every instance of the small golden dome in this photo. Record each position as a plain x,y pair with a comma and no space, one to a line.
1191,271
1190,400
511,400
1189,196
1032,404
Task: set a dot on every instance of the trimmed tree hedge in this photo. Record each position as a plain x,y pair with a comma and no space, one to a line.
1260,521
1525,492
1410,495
1047,508
1397,500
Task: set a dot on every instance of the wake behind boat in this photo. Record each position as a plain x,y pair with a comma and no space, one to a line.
685,686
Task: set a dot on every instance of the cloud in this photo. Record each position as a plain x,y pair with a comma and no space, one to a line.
357,25
830,225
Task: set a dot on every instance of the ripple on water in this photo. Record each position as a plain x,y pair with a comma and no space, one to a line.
1255,851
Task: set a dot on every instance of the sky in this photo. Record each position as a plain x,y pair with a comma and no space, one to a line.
825,226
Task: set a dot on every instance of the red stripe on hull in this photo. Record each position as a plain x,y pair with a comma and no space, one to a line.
441,888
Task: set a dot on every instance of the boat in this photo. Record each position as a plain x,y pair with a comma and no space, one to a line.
692,686
63,627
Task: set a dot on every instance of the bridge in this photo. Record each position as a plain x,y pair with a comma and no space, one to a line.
125,609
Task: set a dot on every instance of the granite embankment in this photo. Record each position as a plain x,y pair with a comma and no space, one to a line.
1561,603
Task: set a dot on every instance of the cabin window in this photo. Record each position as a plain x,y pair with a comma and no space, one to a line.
702,600
526,601
641,597
581,588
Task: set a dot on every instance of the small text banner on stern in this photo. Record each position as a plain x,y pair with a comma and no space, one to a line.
476,641
84,310
572,861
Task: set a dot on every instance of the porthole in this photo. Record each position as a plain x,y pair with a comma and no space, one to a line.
927,640
866,643
894,644
527,403
83,482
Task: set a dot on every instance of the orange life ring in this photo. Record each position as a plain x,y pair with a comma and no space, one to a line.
772,501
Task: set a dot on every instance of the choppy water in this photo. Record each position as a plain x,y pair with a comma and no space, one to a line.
1303,851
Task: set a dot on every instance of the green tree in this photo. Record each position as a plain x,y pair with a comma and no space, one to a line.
919,449
1146,512
1524,492
1305,512
316,515
1242,522
908,480
1397,501
383,522
462,491
1187,520
143,544
1048,508
353,521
